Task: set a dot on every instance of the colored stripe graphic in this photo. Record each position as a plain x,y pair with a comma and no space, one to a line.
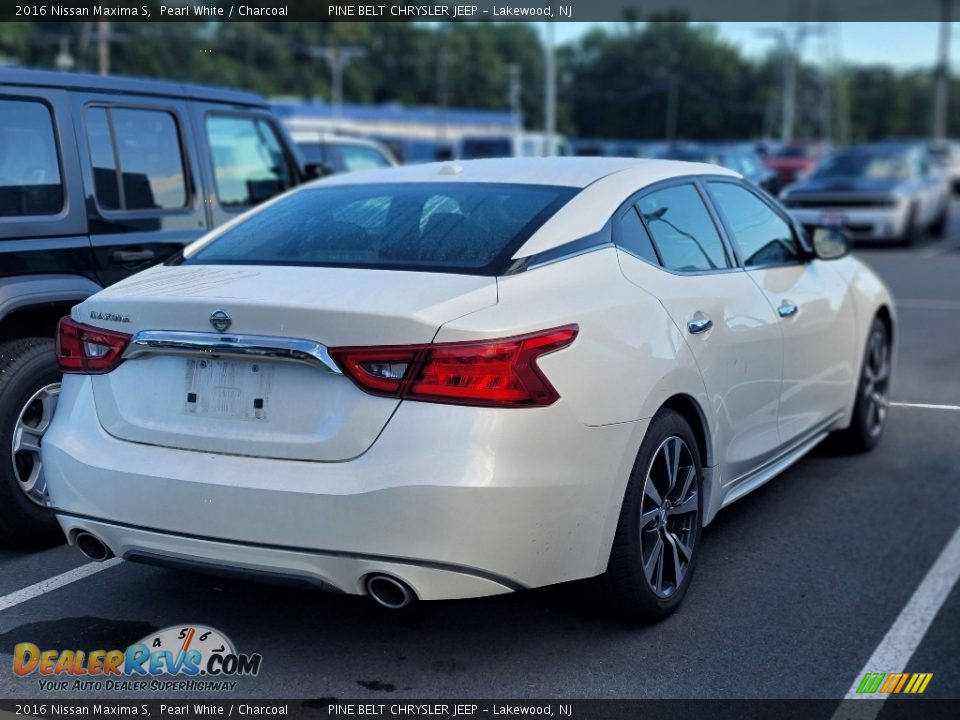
892,683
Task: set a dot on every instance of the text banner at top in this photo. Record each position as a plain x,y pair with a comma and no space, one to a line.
473,11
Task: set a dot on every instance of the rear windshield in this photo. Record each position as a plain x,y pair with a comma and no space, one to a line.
471,228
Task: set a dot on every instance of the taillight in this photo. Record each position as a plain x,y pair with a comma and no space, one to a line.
501,373
87,349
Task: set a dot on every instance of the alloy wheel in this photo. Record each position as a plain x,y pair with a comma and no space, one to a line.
668,516
876,382
32,423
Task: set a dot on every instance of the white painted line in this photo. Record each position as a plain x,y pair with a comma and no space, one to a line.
921,304
925,406
57,581
904,636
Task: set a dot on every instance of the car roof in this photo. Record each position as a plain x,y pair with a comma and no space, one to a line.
576,172
127,86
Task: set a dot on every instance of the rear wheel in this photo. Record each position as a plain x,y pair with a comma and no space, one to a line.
658,535
29,389
873,393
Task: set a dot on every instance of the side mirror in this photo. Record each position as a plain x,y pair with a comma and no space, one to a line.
830,243
312,171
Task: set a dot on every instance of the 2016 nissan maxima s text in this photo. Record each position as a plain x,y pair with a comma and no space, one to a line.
447,381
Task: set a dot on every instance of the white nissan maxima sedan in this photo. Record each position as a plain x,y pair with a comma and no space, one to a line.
457,380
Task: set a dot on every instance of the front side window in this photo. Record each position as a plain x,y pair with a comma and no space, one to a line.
137,159
683,230
762,236
471,228
357,157
30,181
249,165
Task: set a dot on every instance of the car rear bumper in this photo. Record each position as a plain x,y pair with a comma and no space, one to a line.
455,501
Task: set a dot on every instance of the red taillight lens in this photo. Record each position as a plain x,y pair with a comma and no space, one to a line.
87,349
500,373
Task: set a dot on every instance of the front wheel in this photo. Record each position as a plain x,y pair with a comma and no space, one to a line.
939,225
658,535
29,389
873,392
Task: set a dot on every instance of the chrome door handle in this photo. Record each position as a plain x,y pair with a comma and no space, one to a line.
787,309
700,325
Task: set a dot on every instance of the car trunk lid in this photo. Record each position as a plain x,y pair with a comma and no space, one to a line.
299,407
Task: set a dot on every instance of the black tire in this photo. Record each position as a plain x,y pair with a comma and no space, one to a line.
939,226
911,230
26,366
624,590
863,434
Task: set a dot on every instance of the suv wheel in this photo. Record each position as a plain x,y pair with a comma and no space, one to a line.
29,389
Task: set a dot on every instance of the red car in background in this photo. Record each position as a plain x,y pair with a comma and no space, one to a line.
795,160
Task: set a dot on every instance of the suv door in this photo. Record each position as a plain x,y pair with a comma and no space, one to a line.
41,191
247,158
143,189
813,306
726,321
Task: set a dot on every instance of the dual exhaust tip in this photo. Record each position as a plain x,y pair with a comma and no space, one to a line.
386,590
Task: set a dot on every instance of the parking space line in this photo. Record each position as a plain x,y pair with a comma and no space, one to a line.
926,304
925,406
57,581
908,630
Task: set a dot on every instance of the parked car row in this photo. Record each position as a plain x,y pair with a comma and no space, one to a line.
741,158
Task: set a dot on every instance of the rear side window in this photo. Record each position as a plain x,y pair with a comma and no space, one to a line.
30,181
683,230
137,159
762,236
471,228
248,161
634,239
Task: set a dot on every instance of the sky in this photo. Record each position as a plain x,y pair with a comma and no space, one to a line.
903,45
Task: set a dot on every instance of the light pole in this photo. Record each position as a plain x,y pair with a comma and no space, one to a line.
514,89
942,96
337,58
550,90
790,45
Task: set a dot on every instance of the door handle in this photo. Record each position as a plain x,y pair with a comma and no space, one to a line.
787,309
699,325
130,257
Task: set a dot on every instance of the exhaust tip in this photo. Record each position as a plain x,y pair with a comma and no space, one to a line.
390,592
92,547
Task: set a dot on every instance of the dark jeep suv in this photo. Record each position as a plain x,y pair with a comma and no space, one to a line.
99,178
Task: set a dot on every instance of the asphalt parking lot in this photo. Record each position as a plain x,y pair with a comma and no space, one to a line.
797,584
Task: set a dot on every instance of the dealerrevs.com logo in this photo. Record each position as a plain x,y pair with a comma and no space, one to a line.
201,658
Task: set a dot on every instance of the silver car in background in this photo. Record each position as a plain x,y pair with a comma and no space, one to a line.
874,192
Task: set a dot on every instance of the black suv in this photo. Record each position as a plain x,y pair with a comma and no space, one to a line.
101,177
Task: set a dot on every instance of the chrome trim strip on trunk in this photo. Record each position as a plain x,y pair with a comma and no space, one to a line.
178,342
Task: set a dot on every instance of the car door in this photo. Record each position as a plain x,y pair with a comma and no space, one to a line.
726,321
812,303
247,158
143,200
